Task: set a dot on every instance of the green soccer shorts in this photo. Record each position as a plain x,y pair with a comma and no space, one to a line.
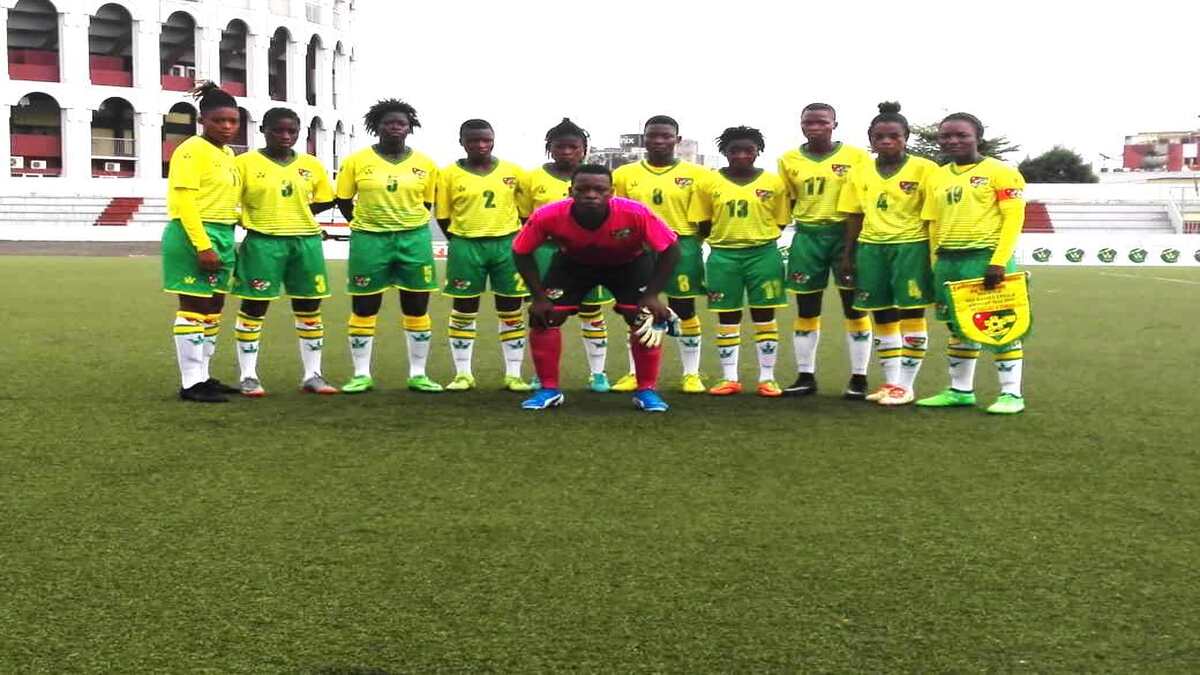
815,253
471,263
956,265
267,265
892,275
687,281
381,260
543,254
740,276
182,273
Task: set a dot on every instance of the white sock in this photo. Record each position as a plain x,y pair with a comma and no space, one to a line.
595,340
766,339
887,350
513,336
212,328
189,348
689,346
462,340
418,334
963,356
249,333
362,340
858,344
310,331
915,336
729,343
1009,366
629,355
806,335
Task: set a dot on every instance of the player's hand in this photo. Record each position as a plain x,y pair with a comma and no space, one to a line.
846,268
540,311
993,277
650,332
661,313
208,260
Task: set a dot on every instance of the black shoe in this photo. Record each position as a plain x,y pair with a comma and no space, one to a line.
218,387
856,388
201,393
805,385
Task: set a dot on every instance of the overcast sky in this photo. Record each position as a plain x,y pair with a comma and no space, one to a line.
1043,73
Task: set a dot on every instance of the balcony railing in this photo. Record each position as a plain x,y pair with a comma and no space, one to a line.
122,148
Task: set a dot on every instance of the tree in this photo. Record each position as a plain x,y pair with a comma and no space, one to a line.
923,143
1057,165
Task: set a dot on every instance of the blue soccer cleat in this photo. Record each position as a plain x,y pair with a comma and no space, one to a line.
649,401
543,399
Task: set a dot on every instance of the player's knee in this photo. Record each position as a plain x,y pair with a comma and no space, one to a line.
686,309
258,308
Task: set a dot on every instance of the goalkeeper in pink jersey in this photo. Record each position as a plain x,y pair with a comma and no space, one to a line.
602,241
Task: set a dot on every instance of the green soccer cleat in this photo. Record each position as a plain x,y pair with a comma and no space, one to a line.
359,384
423,384
515,383
598,383
1007,404
461,382
948,398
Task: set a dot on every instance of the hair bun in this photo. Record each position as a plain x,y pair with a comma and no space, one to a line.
889,107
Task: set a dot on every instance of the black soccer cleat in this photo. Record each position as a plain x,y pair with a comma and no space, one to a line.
218,387
805,385
856,388
201,393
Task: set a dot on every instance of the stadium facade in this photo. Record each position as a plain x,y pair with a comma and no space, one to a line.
94,99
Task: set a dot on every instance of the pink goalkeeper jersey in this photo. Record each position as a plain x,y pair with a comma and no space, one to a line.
628,231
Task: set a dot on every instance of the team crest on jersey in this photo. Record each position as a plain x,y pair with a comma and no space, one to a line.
908,187
554,293
420,173
622,233
304,173
260,175
715,296
212,279
799,277
979,181
683,182
510,181
764,195
839,169
461,284
362,281
367,170
260,284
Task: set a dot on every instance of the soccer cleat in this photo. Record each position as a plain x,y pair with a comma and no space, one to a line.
514,383
423,384
252,388
897,396
598,383
856,388
692,384
948,398
726,388
317,385
1007,404
359,384
625,384
215,385
201,393
769,389
543,399
805,385
461,382
880,393
648,400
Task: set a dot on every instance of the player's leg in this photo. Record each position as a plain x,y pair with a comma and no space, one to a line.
1010,366
368,275
224,246
762,271
305,278
248,331
912,290
962,355
686,284
594,332
726,294
194,288
510,291
466,280
887,350
858,323
413,272
873,293
566,285
627,283
807,276
258,280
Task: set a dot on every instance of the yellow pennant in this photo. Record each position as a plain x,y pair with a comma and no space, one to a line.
993,317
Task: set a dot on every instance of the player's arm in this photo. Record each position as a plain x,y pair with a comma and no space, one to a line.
193,226
781,171
665,243
1011,201
524,244
347,187
700,209
442,210
850,204
322,195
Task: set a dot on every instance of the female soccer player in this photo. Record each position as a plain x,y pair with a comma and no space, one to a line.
386,192
976,209
741,210
477,209
566,144
887,251
665,184
281,192
815,174
203,190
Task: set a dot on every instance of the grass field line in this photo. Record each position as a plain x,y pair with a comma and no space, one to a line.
1140,276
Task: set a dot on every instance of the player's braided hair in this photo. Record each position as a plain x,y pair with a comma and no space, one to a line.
566,129
376,113
473,124
662,119
275,114
889,111
969,118
820,106
740,133
212,97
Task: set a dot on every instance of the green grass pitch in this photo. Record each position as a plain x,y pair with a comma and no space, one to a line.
397,532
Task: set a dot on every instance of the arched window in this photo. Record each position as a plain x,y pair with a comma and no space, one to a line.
177,52
110,46
179,124
233,58
277,65
114,144
310,69
33,41
35,128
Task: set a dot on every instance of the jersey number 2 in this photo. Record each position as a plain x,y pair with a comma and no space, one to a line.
489,199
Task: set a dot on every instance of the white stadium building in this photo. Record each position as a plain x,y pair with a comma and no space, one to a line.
94,99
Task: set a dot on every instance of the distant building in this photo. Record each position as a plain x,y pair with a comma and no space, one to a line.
1162,151
630,150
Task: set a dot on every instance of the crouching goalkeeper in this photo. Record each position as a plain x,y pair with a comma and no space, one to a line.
602,241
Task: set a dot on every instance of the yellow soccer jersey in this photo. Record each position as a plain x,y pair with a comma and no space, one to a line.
391,195
199,165
667,190
742,216
539,188
964,205
480,205
815,182
890,206
276,197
